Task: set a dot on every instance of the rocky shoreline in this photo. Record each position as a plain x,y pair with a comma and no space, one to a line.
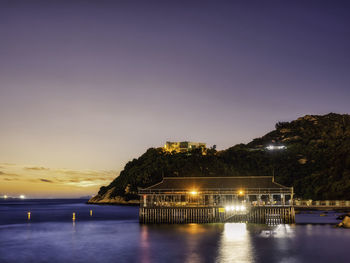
346,221
114,202
107,199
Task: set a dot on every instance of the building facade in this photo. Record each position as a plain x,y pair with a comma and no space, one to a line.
184,146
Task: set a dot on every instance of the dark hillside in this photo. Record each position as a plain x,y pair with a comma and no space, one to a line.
316,161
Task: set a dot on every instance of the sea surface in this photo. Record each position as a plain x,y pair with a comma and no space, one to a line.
113,234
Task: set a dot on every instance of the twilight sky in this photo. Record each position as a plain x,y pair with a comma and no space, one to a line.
85,86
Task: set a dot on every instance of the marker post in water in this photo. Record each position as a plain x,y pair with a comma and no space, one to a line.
90,212
73,217
28,215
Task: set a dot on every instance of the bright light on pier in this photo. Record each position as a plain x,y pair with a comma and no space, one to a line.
22,196
193,192
229,208
235,208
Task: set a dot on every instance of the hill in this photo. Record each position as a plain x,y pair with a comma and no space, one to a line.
316,161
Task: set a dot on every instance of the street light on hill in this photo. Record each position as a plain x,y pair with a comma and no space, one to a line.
275,148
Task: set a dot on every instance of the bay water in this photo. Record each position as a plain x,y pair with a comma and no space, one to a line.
113,234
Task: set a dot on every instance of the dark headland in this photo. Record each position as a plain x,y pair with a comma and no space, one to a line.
316,162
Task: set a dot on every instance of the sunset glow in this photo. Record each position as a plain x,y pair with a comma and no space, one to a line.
38,181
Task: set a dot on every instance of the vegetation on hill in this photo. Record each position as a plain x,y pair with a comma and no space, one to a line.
316,161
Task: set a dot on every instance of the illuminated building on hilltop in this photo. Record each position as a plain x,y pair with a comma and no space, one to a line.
184,146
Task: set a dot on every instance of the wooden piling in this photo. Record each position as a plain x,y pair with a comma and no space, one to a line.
175,215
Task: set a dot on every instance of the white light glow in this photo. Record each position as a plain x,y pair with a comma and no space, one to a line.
234,231
235,244
22,196
235,208
276,147
280,231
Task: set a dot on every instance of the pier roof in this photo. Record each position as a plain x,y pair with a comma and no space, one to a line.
222,183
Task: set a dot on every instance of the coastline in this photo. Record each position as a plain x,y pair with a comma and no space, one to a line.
107,200
125,203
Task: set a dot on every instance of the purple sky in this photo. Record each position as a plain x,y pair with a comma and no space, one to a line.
93,84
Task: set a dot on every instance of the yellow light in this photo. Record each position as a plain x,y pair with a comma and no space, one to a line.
73,216
5,196
240,192
28,215
90,212
22,196
194,192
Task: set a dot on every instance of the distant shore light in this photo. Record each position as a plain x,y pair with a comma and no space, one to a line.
22,196
194,192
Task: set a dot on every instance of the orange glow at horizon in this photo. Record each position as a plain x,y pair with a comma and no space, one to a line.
39,182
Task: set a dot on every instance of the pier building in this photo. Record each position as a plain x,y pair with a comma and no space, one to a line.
256,199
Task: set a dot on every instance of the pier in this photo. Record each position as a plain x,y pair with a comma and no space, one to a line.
254,199
322,204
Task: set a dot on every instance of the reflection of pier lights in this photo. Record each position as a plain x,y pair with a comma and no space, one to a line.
144,253
234,231
235,244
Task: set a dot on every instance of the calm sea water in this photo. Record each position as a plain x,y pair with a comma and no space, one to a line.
113,234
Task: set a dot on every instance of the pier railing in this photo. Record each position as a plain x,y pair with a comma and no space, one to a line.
322,203
228,191
217,205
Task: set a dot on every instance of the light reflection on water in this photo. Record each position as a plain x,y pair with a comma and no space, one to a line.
279,231
145,246
122,239
235,244
109,241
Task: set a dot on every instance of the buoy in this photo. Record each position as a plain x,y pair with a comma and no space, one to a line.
90,212
73,216
28,215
